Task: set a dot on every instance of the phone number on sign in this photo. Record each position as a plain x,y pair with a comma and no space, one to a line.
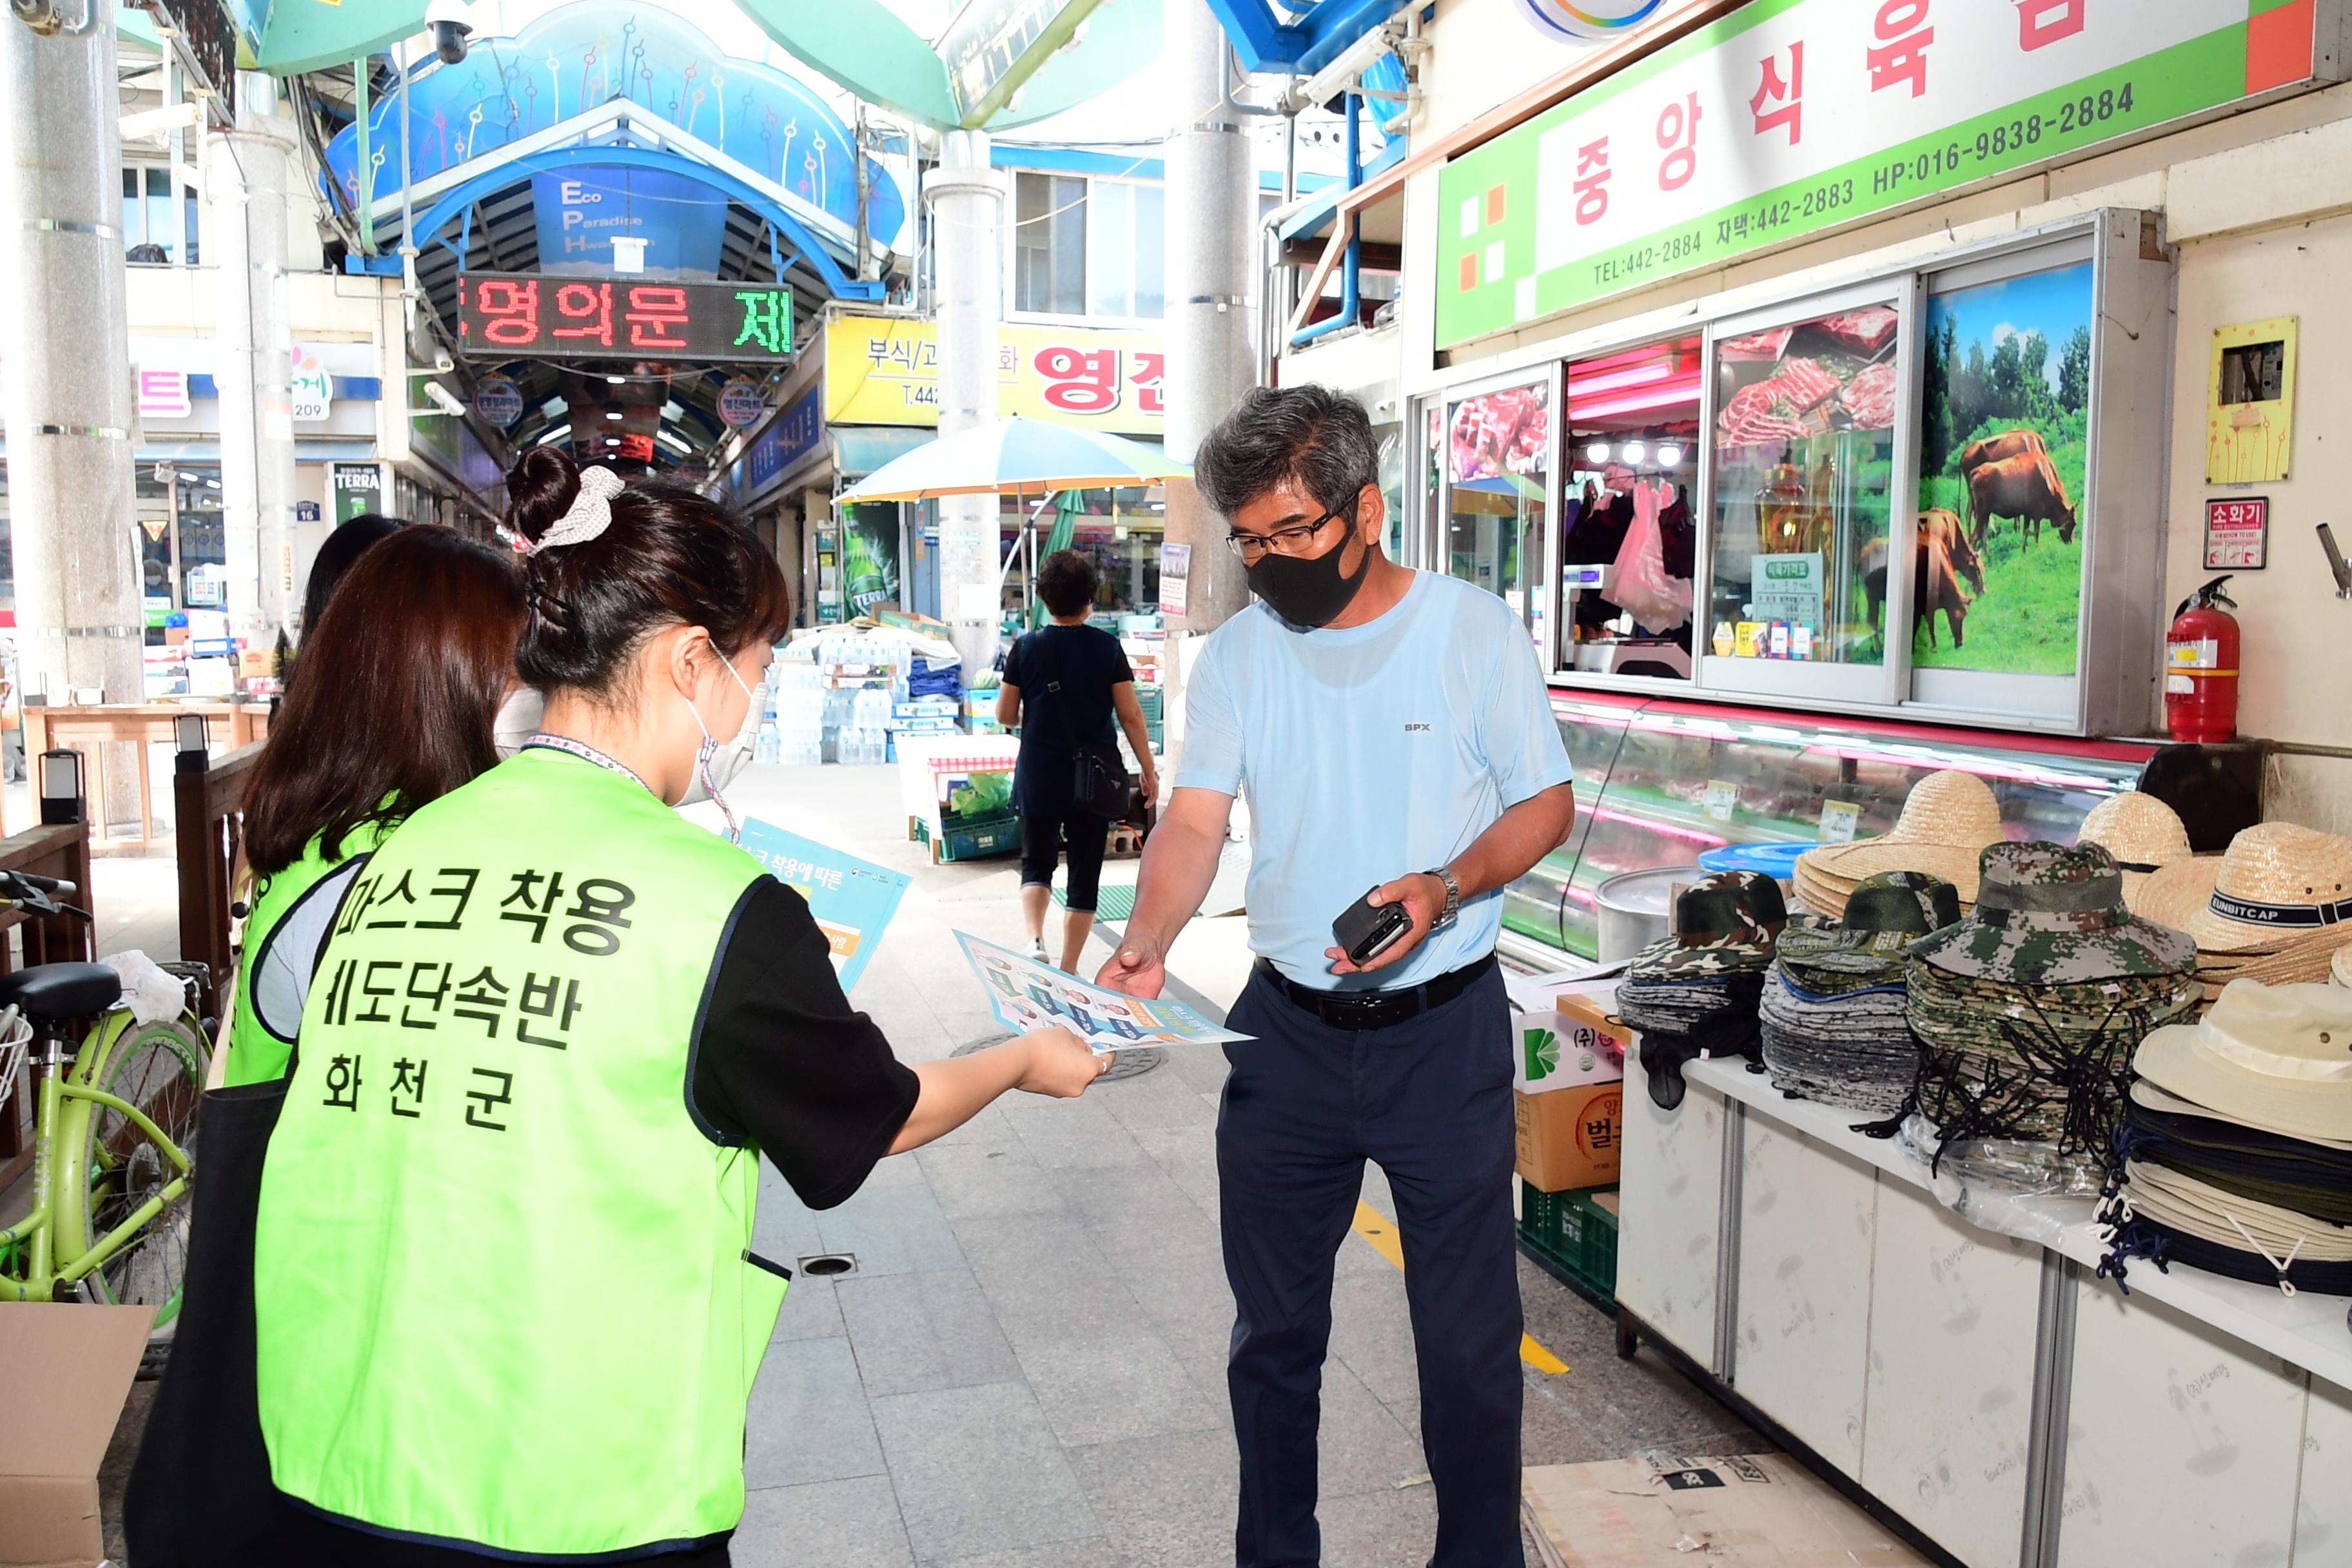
1642,258
2057,119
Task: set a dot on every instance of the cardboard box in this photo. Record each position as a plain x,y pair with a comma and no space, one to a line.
1656,1510
67,1369
1554,1051
1568,1137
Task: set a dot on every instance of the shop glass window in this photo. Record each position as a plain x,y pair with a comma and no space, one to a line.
1498,473
203,547
147,216
1803,490
1629,537
1049,244
1088,247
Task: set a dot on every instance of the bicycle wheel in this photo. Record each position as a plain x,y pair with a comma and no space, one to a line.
160,1068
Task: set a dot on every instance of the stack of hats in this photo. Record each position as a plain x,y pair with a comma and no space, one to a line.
2276,907
1694,994
2142,833
2236,1146
1834,1025
2028,1010
1947,819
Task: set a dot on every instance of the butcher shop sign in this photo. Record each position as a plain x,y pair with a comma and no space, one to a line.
1790,117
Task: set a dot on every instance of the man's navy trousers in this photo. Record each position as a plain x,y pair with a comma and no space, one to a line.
1430,1099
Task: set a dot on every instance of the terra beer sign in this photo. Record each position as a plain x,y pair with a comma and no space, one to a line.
1788,116
524,314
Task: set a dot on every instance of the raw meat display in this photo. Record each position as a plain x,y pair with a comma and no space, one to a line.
1869,331
1499,433
1803,383
1769,346
1869,398
1756,414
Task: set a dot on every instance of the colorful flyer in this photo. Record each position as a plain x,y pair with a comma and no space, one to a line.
1027,995
852,900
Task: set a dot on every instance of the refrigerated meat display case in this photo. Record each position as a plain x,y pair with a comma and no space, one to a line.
1661,781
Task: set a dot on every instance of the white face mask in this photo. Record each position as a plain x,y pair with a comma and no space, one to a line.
718,763
518,720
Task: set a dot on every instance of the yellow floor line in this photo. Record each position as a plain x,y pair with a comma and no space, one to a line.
1381,1232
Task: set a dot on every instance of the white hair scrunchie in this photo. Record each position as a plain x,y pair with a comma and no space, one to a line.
590,514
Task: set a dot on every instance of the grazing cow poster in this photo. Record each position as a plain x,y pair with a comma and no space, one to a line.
2005,409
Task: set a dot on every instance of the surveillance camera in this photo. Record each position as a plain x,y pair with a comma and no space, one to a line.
442,363
446,18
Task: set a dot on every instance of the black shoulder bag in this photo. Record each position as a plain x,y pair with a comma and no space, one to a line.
1099,783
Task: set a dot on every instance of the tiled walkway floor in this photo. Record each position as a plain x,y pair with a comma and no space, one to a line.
1026,1368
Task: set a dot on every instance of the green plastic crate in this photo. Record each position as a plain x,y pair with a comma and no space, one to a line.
971,840
1574,1237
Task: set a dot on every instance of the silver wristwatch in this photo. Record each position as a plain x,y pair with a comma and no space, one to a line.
1445,917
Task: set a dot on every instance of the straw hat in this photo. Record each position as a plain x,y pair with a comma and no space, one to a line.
2277,1058
1946,822
2279,889
2339,966
2141,832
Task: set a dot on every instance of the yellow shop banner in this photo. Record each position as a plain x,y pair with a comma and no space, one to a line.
884,371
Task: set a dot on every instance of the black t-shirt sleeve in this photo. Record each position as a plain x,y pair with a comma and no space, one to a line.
1120,669
1011,674
784,1062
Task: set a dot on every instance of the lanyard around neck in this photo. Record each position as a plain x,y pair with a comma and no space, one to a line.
587,753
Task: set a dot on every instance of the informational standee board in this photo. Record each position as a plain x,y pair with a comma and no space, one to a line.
1788,116
852,900
1026,995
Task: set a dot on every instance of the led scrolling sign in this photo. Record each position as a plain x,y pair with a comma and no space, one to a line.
507,314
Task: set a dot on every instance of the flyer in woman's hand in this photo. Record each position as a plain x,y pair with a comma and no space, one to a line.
1028,996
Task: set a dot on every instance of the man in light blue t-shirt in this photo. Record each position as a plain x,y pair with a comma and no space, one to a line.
1392,733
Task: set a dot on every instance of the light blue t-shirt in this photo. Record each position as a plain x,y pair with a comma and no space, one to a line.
1366,754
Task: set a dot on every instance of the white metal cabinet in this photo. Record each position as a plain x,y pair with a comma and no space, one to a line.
2323,1514
2183,1446
1806,1224
1670,1202
1954,1316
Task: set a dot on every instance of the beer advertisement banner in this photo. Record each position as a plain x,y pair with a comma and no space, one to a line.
1790,117
885,371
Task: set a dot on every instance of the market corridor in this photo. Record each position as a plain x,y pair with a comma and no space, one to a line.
1025,1369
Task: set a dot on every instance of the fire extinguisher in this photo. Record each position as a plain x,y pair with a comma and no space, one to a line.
2201,668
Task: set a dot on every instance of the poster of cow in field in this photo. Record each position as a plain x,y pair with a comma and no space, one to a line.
2005,406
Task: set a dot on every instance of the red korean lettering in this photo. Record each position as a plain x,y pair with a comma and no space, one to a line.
1008,357
1079,383
1678,139
1593,176
1786,91
509,310
2041,23
1150,370
589,302
655,312
1902,52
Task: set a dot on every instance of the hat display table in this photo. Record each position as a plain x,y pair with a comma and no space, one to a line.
1986,1388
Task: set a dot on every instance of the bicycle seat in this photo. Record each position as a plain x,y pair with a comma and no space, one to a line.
62,990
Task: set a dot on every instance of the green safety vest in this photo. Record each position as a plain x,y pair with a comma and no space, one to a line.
502,1286
254,1055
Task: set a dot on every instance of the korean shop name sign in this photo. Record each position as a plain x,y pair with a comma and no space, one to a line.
516,315
1788,116
886,371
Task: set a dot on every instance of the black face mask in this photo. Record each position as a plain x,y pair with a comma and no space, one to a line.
1309,590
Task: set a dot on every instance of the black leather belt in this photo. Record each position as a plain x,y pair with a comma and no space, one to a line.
1376,1009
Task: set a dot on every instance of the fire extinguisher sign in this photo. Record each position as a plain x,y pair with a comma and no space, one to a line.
2237,534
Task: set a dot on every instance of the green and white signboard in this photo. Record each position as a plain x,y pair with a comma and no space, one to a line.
1790,117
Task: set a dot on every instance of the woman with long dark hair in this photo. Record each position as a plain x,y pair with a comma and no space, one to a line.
391,706
508,1296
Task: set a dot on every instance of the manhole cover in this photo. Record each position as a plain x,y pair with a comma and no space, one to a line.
1132,1063
828,1265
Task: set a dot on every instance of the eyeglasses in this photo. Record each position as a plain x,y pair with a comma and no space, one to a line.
1251,547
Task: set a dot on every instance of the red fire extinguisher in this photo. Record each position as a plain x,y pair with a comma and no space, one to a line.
2201,668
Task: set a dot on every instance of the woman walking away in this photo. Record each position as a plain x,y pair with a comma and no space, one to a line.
1073,678
508,1298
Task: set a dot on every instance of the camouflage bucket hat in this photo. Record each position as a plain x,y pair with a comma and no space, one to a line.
1886,913
2052,916
1724,924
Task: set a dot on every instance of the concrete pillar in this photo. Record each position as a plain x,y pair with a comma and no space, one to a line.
967,200
1211,285
253,348
68,405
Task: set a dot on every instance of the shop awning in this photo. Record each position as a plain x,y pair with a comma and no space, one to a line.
859,449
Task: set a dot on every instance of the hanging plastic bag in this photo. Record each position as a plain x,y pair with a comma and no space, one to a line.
1639,584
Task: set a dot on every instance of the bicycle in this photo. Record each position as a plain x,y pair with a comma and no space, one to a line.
114,1129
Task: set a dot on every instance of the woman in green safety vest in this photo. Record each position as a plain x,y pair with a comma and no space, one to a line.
391,705
508,1301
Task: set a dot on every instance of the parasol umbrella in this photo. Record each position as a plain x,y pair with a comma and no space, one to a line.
1008,456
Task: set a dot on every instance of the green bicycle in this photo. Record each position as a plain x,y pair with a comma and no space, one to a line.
114,1130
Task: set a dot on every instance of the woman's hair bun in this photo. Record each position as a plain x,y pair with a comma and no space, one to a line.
540,489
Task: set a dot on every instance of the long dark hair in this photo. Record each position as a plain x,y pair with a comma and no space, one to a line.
336,557
393,701
670,557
